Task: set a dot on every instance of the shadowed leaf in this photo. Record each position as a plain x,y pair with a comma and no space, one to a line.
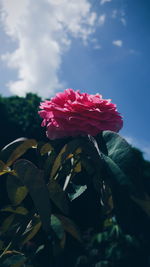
2,165
116,173
125,157
57,226
32,230
32,178
143,203
70,227
16,190
7,222
18,210
58,196
17,260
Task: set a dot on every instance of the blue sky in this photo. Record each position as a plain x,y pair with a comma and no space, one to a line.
95,46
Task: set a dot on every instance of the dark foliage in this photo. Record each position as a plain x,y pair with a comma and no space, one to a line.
77,204
74,202
19,117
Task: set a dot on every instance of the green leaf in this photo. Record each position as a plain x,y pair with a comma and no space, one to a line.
16,190
118,149
7,171
58,196
57,226
66,152
32,178
46,148
8,149
143,203
15,260
122,160
7,223
20,150
18,210
58,162
1,244
79,190
32,230
117,174
70,227
78,167
91,151
2,165
125,158
49,164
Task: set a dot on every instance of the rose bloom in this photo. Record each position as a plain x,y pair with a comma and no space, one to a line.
72,113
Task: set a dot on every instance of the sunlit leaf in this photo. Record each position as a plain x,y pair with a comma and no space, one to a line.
7,171
79,190
68,149
39,249
20,150
46,148
16,190
70,156
8,149
78,167
32,178
58,162
78,150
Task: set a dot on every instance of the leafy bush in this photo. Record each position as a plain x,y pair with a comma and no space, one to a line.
19,118
73,202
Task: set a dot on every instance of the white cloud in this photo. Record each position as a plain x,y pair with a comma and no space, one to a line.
134,52
114,13
102,2
123,21
101,19
42,31
142,145
118,43
119,14
96,45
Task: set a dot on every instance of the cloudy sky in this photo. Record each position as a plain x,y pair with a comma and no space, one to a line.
92,45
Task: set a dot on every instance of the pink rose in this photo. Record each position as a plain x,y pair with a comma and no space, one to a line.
72,113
